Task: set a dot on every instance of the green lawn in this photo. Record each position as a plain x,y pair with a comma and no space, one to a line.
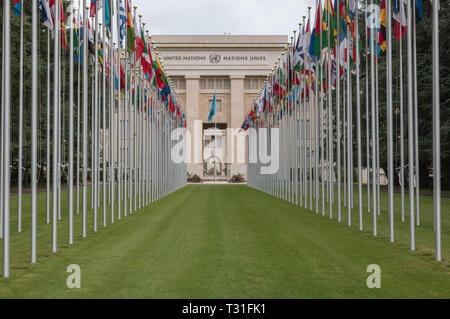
229,242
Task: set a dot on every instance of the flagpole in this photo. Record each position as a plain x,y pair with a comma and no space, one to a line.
94,143
119,131
2,174
48,127
416,122
338,113
85,113
104,81
358,118
55,130
402,151
111,157
436,131
330,113
390,132
367,110
349,130
372,84
20,163
410,128
6,134
71,102
78,113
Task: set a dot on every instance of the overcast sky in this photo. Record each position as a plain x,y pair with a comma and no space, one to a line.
220,16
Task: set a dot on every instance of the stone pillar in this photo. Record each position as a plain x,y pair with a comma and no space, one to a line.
237,116
193,113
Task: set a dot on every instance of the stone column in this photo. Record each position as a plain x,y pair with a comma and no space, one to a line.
237,115
193,113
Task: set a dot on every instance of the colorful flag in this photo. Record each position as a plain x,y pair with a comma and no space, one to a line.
47,19
382,30
212,112
131,34
107,14
17,8
400,18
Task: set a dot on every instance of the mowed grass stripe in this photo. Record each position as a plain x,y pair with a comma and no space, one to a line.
228,242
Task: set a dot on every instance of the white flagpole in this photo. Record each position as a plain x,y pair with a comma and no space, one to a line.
85,112
71,102
410,127
48,127
20,164
416,121
338,114
55,128
436,131
6,133
402,150
390,114
104,80
367,111
349,130
2,132
34,111
358,119
372,84
94,143
78,114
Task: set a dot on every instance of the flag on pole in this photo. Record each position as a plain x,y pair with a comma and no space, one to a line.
107,14
314,48
131,34
47,19
400,19
145,59
419,10
382,30
123,22
17,7
212,112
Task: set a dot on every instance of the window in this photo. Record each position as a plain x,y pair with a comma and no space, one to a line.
182,84
202,84
255,84
175,82
210,84
218,105
247,84
219,84
226,84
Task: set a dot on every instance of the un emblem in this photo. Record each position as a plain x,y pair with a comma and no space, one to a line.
214,58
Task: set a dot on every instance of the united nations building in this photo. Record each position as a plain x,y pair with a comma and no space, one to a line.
232,66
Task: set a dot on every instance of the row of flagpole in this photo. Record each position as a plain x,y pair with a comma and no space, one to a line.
133,112
303,98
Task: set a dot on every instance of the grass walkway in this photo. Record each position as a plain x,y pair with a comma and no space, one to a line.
228,242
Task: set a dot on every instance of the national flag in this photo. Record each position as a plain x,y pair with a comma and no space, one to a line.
123,22
47,19
212,112
351,5
314,48
76,42
328,13
107,14
140,45
145,59
419,10
17,5
400,18
382,30
131,34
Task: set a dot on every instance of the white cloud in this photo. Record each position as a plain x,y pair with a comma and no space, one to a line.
218,17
